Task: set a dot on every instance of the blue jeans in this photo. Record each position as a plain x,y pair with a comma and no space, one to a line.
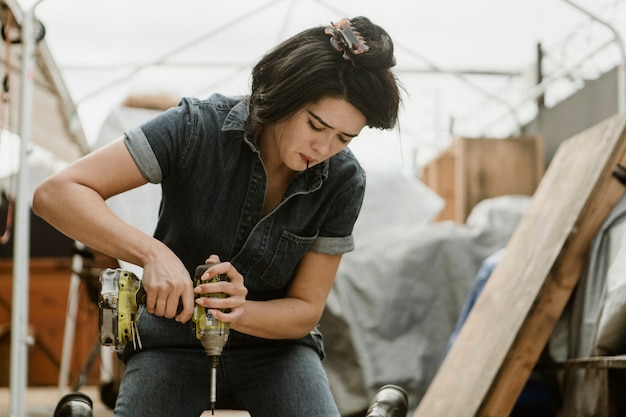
267,378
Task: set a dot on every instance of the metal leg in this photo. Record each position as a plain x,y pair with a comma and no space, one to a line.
84,374
70,318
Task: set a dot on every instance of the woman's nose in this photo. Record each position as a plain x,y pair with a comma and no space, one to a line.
322,145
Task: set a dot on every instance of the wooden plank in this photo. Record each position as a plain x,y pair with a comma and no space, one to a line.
473,169
439,175
48,292
503,336
497,167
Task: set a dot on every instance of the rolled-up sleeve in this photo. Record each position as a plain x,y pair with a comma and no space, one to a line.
142,153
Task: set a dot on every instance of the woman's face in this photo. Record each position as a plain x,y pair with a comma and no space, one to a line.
317,132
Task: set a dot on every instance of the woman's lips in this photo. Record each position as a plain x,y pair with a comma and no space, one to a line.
307,160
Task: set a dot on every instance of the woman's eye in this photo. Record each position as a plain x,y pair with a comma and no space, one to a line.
312,126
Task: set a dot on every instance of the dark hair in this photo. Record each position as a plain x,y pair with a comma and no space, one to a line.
307,68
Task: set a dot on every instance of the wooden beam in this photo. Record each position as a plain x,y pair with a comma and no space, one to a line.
500,343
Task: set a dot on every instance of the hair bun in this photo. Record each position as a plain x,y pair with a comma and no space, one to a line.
381,51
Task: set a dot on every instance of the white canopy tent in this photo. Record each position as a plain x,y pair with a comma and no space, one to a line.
468,67
57,134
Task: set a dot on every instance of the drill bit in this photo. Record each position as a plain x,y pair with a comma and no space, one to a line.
213,342
213,382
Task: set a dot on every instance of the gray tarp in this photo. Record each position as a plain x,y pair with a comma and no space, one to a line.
397,298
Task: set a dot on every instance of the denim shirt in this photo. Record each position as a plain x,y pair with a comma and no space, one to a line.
213,188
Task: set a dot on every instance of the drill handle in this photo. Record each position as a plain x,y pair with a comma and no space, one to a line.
141,297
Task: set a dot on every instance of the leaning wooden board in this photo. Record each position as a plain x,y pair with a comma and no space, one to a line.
486,369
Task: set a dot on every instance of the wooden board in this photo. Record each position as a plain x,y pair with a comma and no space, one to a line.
473,169
489,168
440,176
49,280
487,367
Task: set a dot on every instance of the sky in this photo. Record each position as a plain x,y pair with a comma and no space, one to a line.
109,49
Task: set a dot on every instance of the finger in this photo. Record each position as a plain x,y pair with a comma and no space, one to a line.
188,303
213,302
213,259
226,315
171,308
234,287
228,269
215,288
160,306
150,302
219,315
214,270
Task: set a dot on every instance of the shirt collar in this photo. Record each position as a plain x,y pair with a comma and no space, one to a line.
237,116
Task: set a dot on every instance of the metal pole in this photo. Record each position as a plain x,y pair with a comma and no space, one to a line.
20,339
621,71
70,318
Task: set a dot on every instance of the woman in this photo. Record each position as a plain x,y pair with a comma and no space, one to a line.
263,183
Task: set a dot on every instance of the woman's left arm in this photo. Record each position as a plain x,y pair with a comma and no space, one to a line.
295,315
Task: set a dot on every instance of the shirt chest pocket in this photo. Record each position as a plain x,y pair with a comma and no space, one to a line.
285,259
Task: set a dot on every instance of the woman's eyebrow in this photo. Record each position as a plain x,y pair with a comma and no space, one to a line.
319,119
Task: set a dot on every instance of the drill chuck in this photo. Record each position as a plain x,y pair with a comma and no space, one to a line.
213,342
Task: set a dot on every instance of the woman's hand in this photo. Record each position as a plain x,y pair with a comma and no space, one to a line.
228,309
167,284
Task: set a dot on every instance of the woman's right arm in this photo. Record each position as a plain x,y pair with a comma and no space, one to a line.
73,201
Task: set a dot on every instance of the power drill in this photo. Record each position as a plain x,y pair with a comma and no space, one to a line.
120,296
212,333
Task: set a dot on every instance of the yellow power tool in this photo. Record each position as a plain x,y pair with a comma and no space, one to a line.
121,293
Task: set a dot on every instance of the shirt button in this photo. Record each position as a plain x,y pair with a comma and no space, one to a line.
248,218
